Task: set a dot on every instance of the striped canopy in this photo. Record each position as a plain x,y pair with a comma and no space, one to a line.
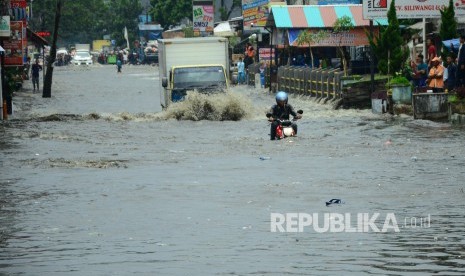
314,16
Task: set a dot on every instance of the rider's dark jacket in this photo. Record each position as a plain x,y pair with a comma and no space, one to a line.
278,112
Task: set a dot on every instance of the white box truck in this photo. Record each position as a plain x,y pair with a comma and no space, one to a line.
192,64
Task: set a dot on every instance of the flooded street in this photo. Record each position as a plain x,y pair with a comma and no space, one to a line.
97,180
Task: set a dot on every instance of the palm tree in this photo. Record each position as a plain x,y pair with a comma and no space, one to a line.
306,37
343,25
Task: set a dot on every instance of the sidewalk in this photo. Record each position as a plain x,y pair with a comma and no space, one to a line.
23,98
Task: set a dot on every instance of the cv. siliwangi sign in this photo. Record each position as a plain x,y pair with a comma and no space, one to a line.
373,9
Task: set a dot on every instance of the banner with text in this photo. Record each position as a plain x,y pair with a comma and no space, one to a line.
374,9
355,37
266,54
255,12
14,46
5,26
203,17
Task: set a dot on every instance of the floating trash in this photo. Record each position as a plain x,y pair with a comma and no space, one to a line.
334,201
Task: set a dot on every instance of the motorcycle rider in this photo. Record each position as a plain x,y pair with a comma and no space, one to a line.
281,110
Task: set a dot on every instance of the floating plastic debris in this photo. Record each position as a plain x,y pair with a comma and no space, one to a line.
334,201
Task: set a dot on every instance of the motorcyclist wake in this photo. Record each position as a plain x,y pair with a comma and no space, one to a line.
279,117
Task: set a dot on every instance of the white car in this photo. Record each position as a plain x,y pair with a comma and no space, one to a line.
82,57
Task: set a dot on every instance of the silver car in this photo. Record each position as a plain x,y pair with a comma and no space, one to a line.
82,57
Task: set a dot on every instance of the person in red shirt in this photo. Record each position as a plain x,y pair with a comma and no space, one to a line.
431,52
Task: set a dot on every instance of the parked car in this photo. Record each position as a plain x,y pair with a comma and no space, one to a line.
82,57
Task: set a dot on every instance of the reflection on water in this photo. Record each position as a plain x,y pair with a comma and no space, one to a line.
97,181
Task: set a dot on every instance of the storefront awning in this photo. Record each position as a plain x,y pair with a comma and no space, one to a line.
36,39
316,16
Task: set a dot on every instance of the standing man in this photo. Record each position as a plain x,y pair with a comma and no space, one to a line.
461,63
436,75
431,52
249,56
451,73
35,69
420,70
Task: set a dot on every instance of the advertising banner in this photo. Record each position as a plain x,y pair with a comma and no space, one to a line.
266,54
374,9
355,37
18,9
255,12
5,26
203,17
338,2
14,46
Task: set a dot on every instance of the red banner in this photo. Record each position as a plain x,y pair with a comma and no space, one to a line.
14,46
18,4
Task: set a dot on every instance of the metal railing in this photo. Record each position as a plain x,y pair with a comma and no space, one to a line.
321,83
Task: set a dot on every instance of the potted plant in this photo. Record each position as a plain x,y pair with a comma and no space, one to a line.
401,89
456,103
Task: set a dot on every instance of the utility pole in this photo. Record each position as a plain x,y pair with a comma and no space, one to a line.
372,62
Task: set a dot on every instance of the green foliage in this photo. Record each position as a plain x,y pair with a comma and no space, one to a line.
399,80
448,28
12,78
188,31
342,25
168,13
388,45
307,37
233,41
225,12
124,13
86,20
453,99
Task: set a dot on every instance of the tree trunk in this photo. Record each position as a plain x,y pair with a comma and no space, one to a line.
344,61
47,92
311,55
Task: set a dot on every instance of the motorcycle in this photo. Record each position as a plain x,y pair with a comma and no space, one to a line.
284,128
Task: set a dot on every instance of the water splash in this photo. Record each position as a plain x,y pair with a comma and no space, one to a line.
214,107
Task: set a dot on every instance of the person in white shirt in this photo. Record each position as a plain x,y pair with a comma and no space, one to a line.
240,71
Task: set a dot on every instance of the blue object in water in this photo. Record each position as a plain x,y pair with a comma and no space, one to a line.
265,158
334,201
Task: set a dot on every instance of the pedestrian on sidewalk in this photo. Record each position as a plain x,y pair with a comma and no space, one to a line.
35,69
119,65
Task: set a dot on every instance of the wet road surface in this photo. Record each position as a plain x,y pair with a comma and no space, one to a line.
98,180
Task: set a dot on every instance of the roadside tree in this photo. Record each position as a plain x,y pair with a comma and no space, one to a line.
342,26
388,45
448,28
306,37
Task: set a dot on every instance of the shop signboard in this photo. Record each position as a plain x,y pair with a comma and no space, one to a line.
14,46
203,17
375,9
5,26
